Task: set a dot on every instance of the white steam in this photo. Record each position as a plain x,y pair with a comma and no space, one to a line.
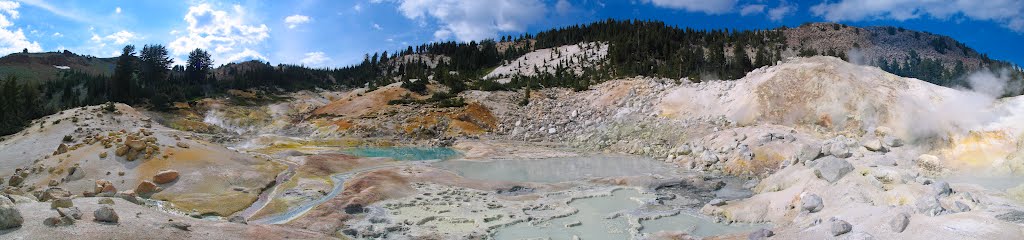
958,111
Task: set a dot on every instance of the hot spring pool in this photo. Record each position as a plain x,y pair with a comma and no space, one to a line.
405,153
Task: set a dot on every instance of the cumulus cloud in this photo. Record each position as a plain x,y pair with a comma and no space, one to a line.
377,26
1005,12
563,7
781,11
752,9
474,20
12,40
706,6
228,35
117,10
296,20
315,59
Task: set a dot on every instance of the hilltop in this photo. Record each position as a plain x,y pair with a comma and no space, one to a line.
36,67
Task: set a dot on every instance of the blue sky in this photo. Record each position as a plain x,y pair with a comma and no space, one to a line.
340,32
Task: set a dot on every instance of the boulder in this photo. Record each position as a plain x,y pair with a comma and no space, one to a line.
71,212
136,145
15,181
839,150
165,176
63,148
892,142
760,234
929,162
717,202
883,131
832,169
182,144
962,207
58,221
63,202
53,193
929,206
941,188
105,214
874,145
238,219
10,217
811,203
840,227
146,188
104,186
106,201
899,222
808,153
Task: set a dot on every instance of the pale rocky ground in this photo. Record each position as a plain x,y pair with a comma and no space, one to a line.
870,145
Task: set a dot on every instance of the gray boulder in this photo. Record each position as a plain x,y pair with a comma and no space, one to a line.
942,188
760,234
900,222
71,212
962,207
63,202
717,202
808,153
874,145
106,214
840,227
892,142
811,203
929,206
832,169
840,150
10,217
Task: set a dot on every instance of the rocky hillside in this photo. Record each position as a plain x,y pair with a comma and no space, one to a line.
870,44
45,66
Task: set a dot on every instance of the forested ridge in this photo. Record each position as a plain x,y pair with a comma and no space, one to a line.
149,77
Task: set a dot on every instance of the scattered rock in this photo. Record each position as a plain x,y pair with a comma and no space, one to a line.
182,144
146,188
573,224
874,145
10,217
717,202
238,219
58,221
179,225
15,181
165,176
929,206
962,207
53,193
840,227
63,202
811,203
892,141
942,188
105,214
840,150
900,222
104,186
760,234
71,212
883,131
106,201
832,169
103,155
929,162
809,153
63,148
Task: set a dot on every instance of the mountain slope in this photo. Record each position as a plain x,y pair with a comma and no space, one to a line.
34,67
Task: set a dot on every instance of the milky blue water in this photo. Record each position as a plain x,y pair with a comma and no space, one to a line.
406,153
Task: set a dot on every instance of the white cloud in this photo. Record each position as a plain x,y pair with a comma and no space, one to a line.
117,10
13,40
119,38
58,34
752,9
1004,12
563,7
706,6
377,26
474,20
296,20
226,34
358,7
781,11
315,59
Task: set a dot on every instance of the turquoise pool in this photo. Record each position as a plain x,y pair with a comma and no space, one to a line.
406,153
